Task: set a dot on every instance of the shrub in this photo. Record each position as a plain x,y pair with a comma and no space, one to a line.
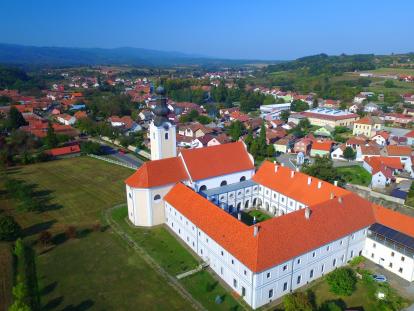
71,232
297,302
356,261
45,238
96,226
342,281
9,228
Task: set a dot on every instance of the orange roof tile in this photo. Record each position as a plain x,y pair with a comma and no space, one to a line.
217,160
396,150
410,134
322,145
297,186
64,150
279,239
158,173
394,220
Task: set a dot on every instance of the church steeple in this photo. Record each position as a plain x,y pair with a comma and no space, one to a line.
162,130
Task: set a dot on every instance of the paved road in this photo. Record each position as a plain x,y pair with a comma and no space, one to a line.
286,160
126,158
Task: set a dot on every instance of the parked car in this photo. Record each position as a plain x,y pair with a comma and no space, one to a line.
379,278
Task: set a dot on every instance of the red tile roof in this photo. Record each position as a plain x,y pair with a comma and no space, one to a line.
297,186
322,145
395,150
158,173
217,160
64,150
279,239
394,220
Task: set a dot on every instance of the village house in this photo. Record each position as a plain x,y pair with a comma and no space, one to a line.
367,126
381,138
66,119
327,116
338,153
321,148
382,170
404,153
303,145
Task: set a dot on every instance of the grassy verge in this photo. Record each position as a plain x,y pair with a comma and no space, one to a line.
355,175
6,275
163,247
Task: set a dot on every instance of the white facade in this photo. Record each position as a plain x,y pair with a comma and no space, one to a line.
260,288
163,141
390,258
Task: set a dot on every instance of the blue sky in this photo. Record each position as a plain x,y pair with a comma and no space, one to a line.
256,29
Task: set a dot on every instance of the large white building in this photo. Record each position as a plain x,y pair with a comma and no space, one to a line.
317,227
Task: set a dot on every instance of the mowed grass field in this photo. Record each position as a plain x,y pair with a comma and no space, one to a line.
355,174
96,271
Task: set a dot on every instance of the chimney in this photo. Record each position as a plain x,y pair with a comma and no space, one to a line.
255,230
309,180
276,167
254,220
332,195
335,183
307,212
340,199
292,174
319,184
297,169
239,216
283,164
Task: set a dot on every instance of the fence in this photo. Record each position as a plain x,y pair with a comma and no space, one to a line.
374,194
127,165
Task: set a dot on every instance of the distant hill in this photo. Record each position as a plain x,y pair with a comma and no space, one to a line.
62,56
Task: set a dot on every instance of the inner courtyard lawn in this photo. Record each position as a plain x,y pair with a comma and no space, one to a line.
248,217
95,271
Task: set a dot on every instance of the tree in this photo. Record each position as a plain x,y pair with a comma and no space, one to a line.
9,228
15,119
315,103
90,147
270,150
323,169
236,130
19,306
249,138
349,153
284,115
297,302
51,139
299,105
342,281
332,305
389,84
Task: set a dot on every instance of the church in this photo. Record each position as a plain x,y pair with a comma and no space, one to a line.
200,194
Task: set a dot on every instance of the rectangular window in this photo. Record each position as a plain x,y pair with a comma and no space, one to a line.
245,272
352,254
270,293
400,270
402,258
313,254
234,283
298,262
232,262
243,291
222,253
334,263
298,279
390,265
311,274
284,286
284,267
374,245
221,270
268,275
372,255
392,254
322,268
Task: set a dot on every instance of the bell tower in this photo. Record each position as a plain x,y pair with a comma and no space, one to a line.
162,131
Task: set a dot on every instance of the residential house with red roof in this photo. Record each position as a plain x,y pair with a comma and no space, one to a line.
321,148
65,119
367,126
404,153
382,170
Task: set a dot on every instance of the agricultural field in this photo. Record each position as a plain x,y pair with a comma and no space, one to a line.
96,270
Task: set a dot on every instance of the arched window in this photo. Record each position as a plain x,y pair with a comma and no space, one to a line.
157,197
166,136
203,188
243,178
223,183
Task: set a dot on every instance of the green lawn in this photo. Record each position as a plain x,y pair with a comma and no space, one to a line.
247,218
175,258
355,175
96,271
6,275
